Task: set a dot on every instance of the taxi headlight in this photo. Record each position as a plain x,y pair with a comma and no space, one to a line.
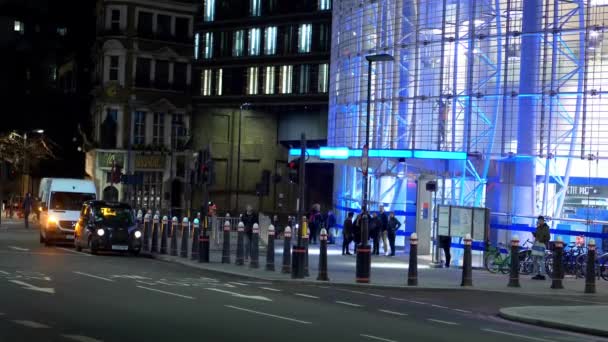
137,234
100,232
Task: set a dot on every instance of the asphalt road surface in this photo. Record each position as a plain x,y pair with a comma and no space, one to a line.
58,294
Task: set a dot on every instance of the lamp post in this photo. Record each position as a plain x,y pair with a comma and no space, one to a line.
26,167
364,251
238,162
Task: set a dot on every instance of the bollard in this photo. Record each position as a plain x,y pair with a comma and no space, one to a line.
514,274
226,248
590,272
203,241
323,256
412,271
185,234
240,245
298,258
558,268
173,233
286,250
255,248
306,242
467,269
155,227
270,249
146,232
163,235
364,256
196,232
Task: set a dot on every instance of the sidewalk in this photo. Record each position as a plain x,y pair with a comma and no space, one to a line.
589,319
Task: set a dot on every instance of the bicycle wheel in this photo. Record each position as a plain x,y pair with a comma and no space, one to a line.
505,265
492,262
549,265
581,266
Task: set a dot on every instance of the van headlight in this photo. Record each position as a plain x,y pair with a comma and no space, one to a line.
100,232
53,220
137,234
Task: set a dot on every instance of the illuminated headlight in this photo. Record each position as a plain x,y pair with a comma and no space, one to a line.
100,232
137,234
53,220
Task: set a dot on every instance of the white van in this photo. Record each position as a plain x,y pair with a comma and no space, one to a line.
61,200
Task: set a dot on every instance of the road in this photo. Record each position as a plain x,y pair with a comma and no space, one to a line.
58,294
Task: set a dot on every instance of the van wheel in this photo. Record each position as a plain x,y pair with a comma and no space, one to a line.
41,238
77,246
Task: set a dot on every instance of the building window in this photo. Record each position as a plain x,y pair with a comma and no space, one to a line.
255,8
115,20
158,129
178,131
219,81
304,79
324,5
286,79
148,194
62,31
162,74
289,39
182,28
145,23
269,77
114,67
208,52
254,41
238,45
206,82
304,38
270,40
18,26
252,80
196,45
139,128
142,72
323,80
224,45
209,10
180,73
163,26
324,37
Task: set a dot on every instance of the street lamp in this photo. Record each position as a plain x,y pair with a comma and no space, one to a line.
238,162
363,250
26,166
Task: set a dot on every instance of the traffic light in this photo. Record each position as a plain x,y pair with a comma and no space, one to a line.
294,171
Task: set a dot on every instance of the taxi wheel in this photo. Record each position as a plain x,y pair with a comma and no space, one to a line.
77,246
92,247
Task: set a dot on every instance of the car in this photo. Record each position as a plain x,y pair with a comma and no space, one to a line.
107,226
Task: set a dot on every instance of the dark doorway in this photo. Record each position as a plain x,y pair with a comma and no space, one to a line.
319,185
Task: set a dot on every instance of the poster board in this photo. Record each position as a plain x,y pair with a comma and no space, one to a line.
479,223
461,221
443,222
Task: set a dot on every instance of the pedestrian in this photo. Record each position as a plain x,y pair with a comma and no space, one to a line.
278,229
357,232
314,222
27,208
383,217
249,219
330,223
393,227
347,233
541,236
374,231
445,242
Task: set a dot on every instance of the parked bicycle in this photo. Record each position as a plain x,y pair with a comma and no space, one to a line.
498,259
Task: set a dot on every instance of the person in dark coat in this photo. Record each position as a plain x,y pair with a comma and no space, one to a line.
249,218
357,232
383,217
347,233
330,224
393,227
445,242
28,203
314,223
374,233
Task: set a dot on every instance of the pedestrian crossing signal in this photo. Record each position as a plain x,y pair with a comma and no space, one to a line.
294,171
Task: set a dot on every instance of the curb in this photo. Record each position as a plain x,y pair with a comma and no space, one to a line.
503,313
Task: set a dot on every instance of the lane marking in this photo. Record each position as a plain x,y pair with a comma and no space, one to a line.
81,338
31,324
165,292
349,304
357,292
31,287
238,295
235,283
4,272
73,251
377,338
442,322
93,276
306,295
325,287
463,311
268,315
377,295
19,248
439,306
516,335
416,302
393,312
270,289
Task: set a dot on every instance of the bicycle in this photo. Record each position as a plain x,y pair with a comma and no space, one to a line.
496,260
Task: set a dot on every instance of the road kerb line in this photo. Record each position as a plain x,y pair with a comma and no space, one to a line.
442,322
31,324
417,302
4,272
73,251
268,315
270,289
93,276
377,338
349,304
236,283
306,295
165,292
392,312
516,335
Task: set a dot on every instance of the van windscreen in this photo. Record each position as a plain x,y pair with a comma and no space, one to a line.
69,200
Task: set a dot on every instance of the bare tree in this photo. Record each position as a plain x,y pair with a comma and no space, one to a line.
22,150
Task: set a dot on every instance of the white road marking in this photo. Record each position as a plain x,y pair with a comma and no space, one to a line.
80,338
463,311
73,251
376,295
377,338
416,302
270,289
235,283
165,292
442,322
4,272
93,276
19,248
357,292
268,315
306,295
238,295
162,282
145,282
439,306
349,304
393,312
31,287
324,287
517,335
31,324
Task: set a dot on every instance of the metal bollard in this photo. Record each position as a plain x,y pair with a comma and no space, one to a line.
146,232
306,242
270,249
163,235
173,234
298,258
514,274
286,250
196,232
412,271
323,256
203,242
590,272
364,255
467,259
556,275
155,227
255,248
240,245
226,247
185,234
